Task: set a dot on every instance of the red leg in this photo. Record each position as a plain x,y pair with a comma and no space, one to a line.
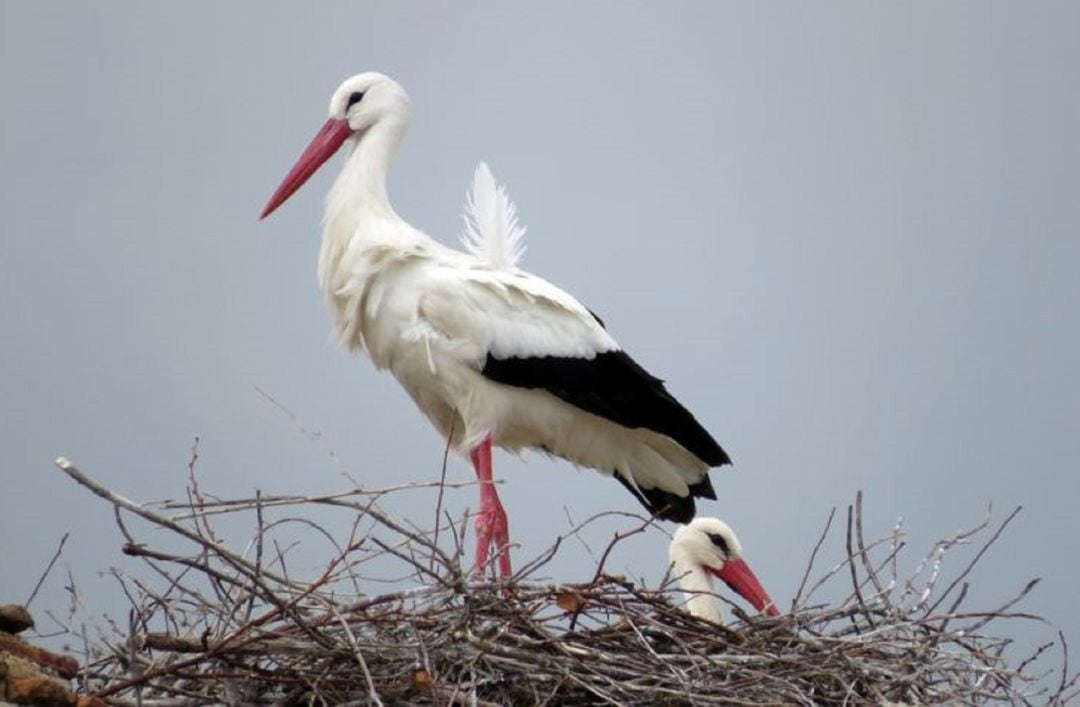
491,523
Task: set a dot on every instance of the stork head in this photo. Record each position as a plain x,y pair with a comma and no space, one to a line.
363,100
711,545
359,104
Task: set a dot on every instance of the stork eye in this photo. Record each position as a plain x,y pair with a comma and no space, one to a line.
718,541
354,97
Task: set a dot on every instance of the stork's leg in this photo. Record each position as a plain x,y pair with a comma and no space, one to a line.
491,523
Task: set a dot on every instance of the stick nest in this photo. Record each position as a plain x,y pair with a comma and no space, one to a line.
211,625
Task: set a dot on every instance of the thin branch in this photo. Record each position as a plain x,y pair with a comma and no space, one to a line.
813,556
48,569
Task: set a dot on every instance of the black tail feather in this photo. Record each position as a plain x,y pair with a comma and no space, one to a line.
669,506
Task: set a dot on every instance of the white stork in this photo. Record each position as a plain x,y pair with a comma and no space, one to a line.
707,548
490,353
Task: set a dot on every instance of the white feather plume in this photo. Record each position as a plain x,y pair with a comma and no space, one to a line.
492,231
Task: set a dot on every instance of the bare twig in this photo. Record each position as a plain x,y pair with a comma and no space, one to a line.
442,486
813,556
196,492
855,575
48,568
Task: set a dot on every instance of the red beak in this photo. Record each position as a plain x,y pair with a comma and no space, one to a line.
326,142
738,575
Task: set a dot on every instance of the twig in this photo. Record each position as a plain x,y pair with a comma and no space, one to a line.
975,560
196,492
854,574
442,485
41,579
116,499
813,556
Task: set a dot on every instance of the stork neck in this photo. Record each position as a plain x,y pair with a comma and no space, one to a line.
359,212
697,586
362,182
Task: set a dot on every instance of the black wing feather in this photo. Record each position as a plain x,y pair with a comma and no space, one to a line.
613,385
662,504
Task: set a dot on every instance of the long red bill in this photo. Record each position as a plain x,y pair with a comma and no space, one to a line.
738,575
325,143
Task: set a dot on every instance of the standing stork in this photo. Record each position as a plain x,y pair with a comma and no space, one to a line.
707,548
490,353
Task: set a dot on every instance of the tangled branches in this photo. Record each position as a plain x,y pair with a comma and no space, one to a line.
222,626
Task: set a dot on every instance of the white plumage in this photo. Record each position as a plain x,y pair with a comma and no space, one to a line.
489,353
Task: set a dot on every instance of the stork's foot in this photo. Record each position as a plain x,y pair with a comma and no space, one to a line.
493,530
491,524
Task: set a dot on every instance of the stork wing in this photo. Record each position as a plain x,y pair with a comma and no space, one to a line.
614,386
509,314
520,330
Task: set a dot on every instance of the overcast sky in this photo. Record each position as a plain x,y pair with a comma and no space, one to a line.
844,233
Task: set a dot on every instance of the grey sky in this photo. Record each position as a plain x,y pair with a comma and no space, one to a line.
846,235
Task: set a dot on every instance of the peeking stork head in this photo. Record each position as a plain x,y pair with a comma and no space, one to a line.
707,548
